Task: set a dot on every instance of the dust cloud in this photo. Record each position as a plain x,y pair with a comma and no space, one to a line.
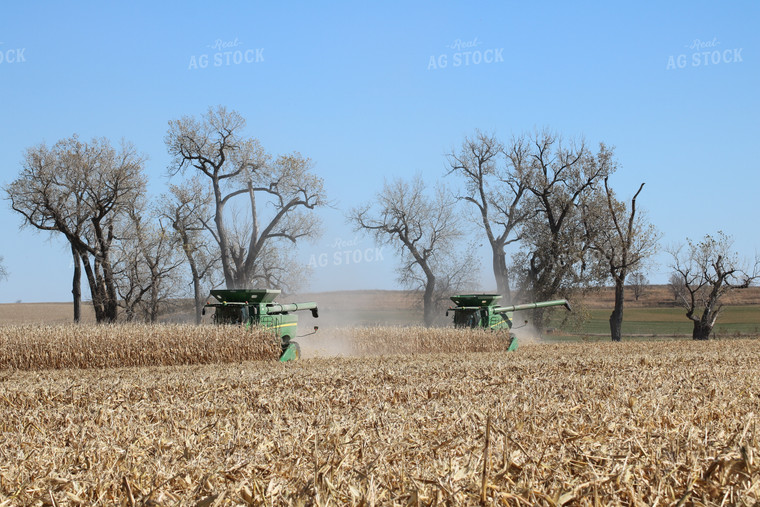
527,334
341,313
348,322
328,343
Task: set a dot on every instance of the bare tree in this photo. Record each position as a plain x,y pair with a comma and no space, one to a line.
623,241
676,284
146,264
423,228
638,282
3,270
238,167
459,274
703,273
188,211
278,267
561,179
80,189
495,184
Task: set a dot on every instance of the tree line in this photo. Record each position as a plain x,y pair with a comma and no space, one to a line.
232,217
544,205
548,197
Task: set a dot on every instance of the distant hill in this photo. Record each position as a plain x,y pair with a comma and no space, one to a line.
362,307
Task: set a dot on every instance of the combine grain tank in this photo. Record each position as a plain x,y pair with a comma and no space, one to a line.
256,307
480,311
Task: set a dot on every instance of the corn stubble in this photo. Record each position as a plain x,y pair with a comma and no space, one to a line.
656,423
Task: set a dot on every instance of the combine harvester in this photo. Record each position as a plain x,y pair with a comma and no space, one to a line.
256,307
480,311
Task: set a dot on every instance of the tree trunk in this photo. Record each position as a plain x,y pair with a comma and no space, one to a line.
616,318
198,297
701,330
501,274
428,301
538,320
97,299
154,301
199,304
224,246
76,285
103,297
111,304
106,286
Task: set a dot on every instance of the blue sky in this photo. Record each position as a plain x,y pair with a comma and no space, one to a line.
351,86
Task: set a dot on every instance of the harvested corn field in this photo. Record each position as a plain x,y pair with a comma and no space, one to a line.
632,423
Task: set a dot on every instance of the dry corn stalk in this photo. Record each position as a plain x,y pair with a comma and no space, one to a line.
579,424
32,347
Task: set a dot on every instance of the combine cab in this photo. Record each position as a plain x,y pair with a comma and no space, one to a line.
256,307
480,311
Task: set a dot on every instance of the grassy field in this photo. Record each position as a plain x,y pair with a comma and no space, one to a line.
735,320
669,423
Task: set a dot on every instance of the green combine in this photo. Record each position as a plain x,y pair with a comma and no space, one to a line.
480,311
256,307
